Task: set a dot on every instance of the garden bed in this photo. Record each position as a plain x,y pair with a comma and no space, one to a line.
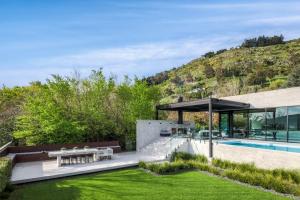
279,180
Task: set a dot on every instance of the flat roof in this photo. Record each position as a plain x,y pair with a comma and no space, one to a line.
203,104
269,99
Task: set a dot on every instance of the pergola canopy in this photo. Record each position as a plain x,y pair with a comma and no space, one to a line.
203,105
211,105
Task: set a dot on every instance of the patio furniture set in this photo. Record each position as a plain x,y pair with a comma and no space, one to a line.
77,156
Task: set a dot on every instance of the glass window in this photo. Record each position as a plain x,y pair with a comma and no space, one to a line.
257,125
281,124
224,124
294,123
240,124
270,124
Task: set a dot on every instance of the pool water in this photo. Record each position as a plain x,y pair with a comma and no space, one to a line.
263,146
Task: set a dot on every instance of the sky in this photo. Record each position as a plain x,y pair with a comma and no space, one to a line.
128,37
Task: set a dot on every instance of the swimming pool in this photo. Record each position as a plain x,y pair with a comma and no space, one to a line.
263,146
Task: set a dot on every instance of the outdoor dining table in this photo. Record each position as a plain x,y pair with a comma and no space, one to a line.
77,152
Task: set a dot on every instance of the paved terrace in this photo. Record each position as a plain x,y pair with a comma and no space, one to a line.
43,170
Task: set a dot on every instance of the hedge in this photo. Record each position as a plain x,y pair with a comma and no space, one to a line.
266,181
173,167
5,172
292,176
187,156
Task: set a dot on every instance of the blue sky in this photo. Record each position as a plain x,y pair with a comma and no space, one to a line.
43,37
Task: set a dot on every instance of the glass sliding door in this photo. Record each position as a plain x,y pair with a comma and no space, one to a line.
240,124
294,124
271,124
257,124
281,124
224,124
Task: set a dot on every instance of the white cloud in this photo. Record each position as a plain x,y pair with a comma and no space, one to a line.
142,59
254,5
141,52
275,21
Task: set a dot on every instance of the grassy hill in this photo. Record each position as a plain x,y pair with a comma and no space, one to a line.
231,72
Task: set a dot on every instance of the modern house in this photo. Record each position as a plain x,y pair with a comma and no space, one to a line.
263,128
270,117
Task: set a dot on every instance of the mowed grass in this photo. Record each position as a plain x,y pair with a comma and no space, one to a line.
133,184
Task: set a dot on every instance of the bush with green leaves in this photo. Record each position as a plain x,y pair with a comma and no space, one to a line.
179,165
205,167
5,172
292,176
264,180
187,156
73,110
166,167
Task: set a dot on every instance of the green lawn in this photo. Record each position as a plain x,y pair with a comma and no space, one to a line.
134,184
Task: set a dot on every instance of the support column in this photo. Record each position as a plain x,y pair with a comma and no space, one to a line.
219,123
180,117
287,124
180,112
230,116
210,128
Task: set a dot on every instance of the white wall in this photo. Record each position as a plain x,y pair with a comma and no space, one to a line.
185,147
148,131
199,147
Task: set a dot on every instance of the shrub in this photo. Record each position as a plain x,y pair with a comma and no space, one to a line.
208,168
186,157
5,172
165,168
224,164
201,158
209,71
181,156
280,180
179,165
264,180
142,164
286,175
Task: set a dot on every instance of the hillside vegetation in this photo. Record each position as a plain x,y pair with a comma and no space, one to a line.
236,71
73,109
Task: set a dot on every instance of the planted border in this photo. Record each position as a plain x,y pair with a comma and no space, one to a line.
280,180
5,172
292,176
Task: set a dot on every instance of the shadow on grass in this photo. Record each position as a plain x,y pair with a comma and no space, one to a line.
48,191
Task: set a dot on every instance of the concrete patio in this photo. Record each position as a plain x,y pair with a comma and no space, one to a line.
43,170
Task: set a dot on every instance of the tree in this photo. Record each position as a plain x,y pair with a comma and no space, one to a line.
177,81
189,78
294,77
262,41
209,54
258,77
11,100
73,110
209,71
